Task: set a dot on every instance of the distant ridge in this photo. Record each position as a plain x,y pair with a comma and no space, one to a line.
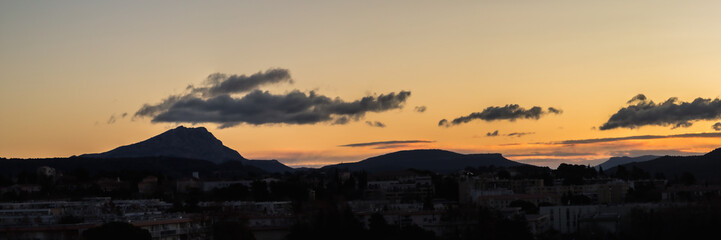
426,159
706,167
616,161
188,143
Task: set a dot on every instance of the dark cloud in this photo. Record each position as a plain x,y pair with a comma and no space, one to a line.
384,143
555,110
393,146
717,126
492,134
261,107
672,113
341,120
375,124
151,110
420,109
519,134
213,102
219,83
641,137
637,98
509,112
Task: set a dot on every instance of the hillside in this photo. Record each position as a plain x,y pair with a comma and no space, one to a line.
616,161
188,143
706,167
432,160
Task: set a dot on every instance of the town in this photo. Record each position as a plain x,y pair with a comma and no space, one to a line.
521,202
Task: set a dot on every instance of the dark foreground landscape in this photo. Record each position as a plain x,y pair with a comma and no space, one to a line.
184,184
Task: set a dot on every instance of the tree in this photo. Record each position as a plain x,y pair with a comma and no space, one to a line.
231,231
526,206
116,231
688,178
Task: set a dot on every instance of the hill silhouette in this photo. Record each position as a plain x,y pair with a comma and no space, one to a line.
707,166
617,161
426,159
187,143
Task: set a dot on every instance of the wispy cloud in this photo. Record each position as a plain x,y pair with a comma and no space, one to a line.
420,109
657,152
554,153
519,134
114,118
513,134
639,137
375,124
509,112
382,143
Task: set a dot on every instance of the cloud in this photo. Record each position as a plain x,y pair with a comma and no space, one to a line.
492,134
382,143
420,109
637,98
642,112
519,134
717,126
213,102
553,154
218,84
657,152
113,118
376,124
640,137
509,112
261,107
555,110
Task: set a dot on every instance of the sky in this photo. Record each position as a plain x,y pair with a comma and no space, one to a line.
312,83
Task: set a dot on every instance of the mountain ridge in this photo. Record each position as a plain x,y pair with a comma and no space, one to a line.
707,166
426,159
188,143
622,160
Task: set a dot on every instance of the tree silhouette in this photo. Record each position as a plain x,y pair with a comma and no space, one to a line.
116,231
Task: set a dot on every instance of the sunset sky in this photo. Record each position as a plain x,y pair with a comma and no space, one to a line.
312,83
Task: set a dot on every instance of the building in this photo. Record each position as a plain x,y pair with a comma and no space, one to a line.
401,189
566,219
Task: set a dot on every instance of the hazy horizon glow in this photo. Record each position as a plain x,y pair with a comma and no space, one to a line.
74,75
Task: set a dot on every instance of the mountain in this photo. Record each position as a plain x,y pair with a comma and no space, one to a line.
181,142
707,167
430,159
616,161
187,143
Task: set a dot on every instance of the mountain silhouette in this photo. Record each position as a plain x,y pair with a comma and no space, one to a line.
426,159
617,161
707,166
188,143
181,142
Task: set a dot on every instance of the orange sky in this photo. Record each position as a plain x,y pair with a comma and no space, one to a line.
66,68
